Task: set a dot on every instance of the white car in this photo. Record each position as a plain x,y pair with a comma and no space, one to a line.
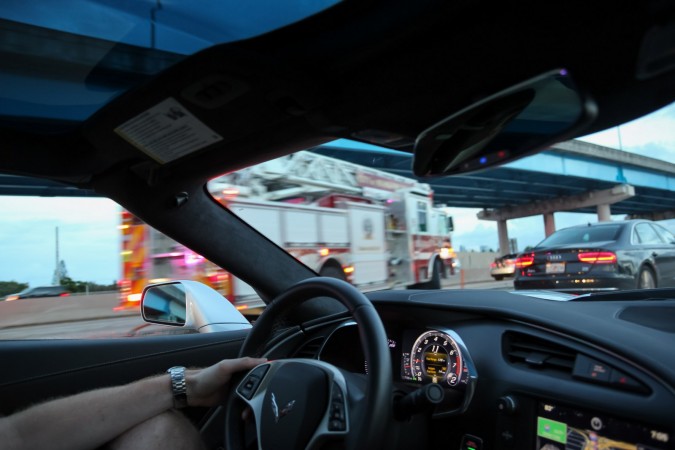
503,267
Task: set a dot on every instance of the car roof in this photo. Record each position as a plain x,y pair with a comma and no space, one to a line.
611,223
359,71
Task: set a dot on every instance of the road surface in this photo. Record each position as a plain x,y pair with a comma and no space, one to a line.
93,316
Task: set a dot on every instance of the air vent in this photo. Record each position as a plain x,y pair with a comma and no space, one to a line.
539,354
310,349
534,353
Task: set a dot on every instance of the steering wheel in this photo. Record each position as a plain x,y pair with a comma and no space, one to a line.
304,403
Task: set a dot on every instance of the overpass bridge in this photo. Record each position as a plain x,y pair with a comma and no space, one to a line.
571,176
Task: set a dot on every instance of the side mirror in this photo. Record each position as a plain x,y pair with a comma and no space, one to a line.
451,224
192,305
164,303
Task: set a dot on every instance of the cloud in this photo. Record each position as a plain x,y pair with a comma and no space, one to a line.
482,235
656,151
651,132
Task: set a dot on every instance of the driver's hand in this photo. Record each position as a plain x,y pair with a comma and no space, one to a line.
205,387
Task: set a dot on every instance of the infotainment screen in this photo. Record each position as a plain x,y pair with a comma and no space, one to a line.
564,428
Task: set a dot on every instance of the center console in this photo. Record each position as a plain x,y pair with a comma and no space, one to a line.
545,425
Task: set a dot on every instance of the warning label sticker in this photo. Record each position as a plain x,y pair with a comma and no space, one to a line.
167,131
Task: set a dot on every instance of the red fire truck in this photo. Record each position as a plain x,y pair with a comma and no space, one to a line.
369,227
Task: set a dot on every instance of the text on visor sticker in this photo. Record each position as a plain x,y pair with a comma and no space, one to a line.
167,131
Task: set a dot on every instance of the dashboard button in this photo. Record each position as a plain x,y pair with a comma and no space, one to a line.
624,381
336,425
250,384
506,405
470,442
591,369
506,432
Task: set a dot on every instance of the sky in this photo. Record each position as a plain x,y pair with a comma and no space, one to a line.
89,240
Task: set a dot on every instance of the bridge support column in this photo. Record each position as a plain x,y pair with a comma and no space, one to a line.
503,231
604,213
549,224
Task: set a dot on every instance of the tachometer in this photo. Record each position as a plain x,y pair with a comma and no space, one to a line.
436,357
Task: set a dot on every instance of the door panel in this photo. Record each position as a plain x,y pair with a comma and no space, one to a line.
37,370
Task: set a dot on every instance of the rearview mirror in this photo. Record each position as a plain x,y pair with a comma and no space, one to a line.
504,127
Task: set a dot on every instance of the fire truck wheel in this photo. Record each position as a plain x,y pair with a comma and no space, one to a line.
332,272
309,391
435,282
442,269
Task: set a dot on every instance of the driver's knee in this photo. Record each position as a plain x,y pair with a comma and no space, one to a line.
167,431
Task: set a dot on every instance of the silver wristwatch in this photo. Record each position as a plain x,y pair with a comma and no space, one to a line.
178,386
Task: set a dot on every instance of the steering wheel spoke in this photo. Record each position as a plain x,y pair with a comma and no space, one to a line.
289,415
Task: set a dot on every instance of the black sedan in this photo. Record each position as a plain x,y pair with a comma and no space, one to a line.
600,257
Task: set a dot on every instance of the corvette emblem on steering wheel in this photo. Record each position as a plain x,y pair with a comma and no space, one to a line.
275,409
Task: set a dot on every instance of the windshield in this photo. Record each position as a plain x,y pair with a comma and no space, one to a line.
344,209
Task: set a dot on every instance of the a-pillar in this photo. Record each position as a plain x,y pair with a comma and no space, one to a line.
604,213
549,224
503,237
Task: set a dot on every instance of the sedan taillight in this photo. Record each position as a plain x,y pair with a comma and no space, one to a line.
597,257
525,260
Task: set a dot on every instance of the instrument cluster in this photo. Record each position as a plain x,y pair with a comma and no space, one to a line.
419,356
434,356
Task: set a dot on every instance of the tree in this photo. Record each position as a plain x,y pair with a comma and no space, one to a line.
11,287
86,286
60,272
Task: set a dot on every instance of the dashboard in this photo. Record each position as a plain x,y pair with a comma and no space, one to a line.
534,375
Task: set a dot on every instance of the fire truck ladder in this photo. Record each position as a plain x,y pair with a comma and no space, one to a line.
307,173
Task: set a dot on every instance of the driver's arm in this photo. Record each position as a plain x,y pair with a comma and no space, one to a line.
91,419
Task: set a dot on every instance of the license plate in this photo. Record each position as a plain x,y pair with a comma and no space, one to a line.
558,267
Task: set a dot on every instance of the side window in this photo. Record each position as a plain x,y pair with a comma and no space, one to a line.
666,235
98,256
646,235
442,225
422,217
53,246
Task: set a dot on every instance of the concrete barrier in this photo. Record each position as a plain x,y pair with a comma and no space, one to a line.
476,266
36,311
